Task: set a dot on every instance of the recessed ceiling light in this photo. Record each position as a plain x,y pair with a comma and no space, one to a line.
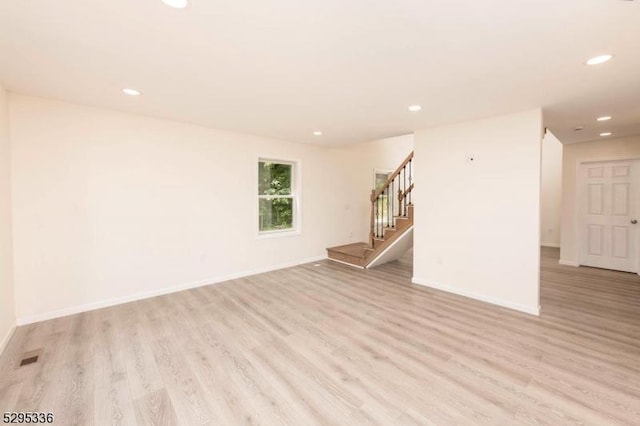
578,128
606,134
604,118
177,4
415,108
599,59
317,133
131,92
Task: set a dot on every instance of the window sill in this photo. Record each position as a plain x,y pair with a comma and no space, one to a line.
278,234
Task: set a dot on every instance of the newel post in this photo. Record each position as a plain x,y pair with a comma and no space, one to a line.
373,220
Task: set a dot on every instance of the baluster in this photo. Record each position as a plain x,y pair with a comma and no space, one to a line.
398,197
381,224
377,215
384,219
381,221
375,212
410,179
391,197
386,200
373,217
404,190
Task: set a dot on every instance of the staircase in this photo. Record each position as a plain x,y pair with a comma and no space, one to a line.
391,223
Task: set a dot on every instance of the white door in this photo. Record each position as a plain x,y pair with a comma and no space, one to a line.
609,210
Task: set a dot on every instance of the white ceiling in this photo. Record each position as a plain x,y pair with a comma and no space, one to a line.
284,68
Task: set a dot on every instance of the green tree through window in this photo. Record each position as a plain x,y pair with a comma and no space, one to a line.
276,197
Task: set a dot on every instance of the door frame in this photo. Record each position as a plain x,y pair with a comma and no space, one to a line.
579,206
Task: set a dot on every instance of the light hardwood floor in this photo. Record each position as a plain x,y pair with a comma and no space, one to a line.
331,344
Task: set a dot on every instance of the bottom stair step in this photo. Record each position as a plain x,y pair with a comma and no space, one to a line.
353,254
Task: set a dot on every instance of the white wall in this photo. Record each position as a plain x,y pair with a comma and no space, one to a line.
111,206
606,149
551,194
7,310
359,161
477,223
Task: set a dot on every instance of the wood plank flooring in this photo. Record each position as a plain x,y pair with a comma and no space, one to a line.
328,344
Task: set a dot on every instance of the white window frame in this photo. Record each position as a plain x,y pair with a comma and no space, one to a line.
296,174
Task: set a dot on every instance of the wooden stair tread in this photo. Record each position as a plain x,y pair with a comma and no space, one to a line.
356,249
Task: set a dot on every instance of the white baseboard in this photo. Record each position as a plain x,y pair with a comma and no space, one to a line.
568,262
29,319
477,296
345,263
5,341
554,245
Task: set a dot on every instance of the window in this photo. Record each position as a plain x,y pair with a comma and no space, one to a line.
277,198
380,177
